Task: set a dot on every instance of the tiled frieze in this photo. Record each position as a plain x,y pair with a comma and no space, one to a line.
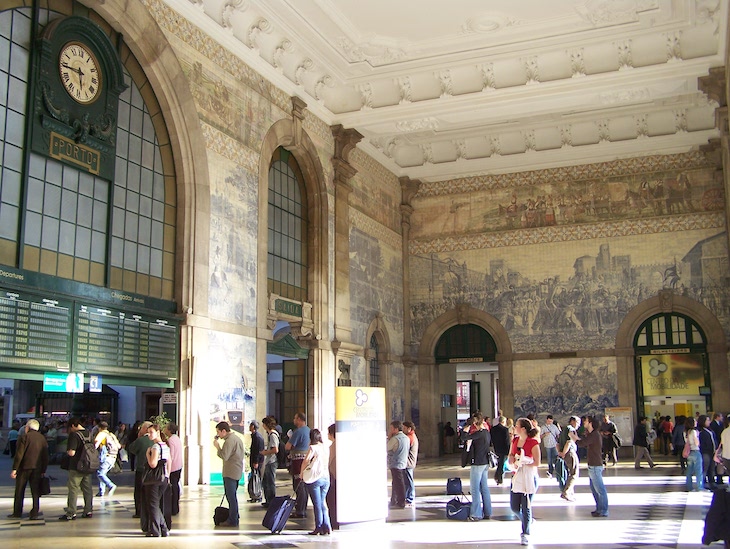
568,233
230,148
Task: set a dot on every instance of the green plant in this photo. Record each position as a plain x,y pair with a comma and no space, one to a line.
160,420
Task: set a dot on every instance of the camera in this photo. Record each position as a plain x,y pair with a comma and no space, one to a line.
216,437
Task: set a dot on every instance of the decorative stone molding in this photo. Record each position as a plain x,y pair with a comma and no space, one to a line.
713,85
422,124
666,300
568,233
575,173
282,308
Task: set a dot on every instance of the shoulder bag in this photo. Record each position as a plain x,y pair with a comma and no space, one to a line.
156,475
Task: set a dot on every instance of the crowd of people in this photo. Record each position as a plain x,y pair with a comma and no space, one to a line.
513,449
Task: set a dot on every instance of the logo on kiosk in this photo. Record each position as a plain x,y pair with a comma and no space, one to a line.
361,397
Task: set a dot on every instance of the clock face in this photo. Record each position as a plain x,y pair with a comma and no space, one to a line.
79,72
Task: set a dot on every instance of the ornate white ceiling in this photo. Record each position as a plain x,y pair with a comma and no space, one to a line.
442,89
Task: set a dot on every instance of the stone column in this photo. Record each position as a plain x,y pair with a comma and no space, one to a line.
715,86
408,190
345,141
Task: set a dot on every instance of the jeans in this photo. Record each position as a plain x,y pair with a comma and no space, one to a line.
521,505
595,474
398,491
25,477
318,492
230,486
478,477
694,468
268,483
551,455
410,485
102,473
79,482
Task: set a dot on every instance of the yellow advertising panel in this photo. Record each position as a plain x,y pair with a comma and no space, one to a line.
672,374
362,489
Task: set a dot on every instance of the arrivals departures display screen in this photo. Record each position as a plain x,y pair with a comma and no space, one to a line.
45,334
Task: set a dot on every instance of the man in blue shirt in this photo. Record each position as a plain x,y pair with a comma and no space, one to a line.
298,446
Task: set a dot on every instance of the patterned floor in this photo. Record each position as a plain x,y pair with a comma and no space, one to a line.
648,509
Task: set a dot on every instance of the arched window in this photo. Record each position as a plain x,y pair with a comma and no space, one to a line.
668,331
287,243
373,362
66,222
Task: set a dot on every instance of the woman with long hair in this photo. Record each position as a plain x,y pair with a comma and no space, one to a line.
316,477
481,505
524,459
694,459
156,525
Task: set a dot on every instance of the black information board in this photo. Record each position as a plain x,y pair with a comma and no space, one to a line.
35,332
109,341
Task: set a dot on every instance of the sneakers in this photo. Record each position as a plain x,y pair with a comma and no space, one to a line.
67,517
549,474
111,491
524,540
566,496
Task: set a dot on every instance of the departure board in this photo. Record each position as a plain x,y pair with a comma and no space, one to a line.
117,342
35,331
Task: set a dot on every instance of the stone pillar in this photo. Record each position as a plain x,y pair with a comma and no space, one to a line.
715,86
408,190
345,142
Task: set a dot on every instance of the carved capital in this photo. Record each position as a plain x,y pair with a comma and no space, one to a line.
345,141
713,85
409,187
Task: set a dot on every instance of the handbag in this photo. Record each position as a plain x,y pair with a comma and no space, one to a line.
493,459
123,455
155,476
45,485
221,513
686,450
254,485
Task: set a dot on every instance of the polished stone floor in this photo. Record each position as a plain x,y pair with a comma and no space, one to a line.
648,509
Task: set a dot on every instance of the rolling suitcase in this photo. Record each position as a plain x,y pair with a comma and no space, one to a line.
278,513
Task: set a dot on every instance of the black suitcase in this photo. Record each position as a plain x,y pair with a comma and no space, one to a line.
278,513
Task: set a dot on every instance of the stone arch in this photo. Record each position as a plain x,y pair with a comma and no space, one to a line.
428,369
321,371
287,133
668,302
147,42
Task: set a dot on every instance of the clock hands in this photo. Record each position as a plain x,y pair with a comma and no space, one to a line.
78,71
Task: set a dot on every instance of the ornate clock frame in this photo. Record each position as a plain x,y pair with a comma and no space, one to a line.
80,134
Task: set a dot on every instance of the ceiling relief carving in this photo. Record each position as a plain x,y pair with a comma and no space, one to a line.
616,78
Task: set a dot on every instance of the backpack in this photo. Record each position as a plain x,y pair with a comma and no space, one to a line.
112,444
88,456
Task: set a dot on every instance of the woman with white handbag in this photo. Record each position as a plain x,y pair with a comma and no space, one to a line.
316,477
524,459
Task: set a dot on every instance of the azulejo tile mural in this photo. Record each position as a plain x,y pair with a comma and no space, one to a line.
560,296
565,387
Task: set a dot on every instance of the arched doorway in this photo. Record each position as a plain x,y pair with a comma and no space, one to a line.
477,336
672,367
468,373
629,341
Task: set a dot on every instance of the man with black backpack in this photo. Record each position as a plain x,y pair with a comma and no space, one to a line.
83,459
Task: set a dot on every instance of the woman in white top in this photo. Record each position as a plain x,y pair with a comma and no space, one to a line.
694,459
316,476
153,521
